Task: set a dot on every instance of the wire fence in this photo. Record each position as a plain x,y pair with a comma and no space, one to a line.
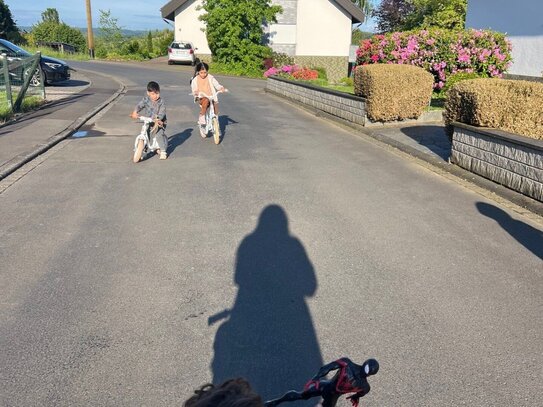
20,79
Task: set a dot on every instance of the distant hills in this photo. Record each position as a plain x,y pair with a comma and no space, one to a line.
126,33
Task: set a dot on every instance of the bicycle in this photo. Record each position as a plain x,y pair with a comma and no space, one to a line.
211,119
142,143
349,378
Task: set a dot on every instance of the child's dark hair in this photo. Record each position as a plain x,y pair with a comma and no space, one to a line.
232,393
153,87
199,67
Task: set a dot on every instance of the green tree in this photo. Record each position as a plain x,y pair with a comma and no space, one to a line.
358,36
234,31
448,14
111,35
163,41
390,15
8,28
51,29
150,43
365,5
50,15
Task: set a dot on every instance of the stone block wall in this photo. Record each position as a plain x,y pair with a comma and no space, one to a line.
336,67
508,159
342,105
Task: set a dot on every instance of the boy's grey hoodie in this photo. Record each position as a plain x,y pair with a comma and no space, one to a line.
146,107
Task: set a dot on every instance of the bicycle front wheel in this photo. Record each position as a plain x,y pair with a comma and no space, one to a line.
138,151
216,130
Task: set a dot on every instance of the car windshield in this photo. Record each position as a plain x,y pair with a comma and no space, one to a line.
180,45
15,48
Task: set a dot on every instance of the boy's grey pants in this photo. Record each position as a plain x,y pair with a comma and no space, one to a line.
161,140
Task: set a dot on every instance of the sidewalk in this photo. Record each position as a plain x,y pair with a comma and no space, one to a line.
32,134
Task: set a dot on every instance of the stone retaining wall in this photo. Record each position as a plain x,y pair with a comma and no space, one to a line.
348,107
511,160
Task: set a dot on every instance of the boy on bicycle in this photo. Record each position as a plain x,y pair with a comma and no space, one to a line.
207,84
153,106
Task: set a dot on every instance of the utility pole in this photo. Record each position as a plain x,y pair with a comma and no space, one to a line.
90,34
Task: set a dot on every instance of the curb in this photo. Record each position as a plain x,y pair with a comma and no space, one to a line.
22,159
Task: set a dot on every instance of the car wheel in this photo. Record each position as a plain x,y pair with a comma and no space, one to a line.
170,62
36,77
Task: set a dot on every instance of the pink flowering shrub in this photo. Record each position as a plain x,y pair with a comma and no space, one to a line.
293,72
441,52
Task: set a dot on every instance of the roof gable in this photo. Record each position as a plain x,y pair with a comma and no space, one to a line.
357,15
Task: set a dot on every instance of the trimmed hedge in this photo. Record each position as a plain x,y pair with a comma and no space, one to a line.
393,92
514,106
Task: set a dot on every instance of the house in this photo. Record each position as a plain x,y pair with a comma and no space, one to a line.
314,32
522,22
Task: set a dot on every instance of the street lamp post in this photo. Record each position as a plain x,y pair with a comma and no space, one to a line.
90,35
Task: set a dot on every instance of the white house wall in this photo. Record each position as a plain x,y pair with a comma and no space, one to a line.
522,21
323,29
189,28
305,28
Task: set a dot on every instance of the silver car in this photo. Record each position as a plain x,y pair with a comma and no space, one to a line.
181,51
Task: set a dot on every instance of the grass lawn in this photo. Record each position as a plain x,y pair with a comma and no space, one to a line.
29,103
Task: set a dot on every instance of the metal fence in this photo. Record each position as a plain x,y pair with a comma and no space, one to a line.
20,79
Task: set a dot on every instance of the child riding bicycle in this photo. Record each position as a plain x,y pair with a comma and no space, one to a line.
153,106
205,83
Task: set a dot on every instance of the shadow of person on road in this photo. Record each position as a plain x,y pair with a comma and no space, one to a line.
528,236
177,139
269,337
225,120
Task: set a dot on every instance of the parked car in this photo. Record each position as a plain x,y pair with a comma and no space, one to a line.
54,70
181,51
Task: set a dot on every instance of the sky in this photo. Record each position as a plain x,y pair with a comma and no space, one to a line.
130,14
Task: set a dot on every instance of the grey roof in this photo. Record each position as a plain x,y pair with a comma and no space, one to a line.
168,10
357,15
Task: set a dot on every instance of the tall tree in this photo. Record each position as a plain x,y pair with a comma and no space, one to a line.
365,5
234,30
391,15
149,42
449,14
110,33
402,15
8,28
50,15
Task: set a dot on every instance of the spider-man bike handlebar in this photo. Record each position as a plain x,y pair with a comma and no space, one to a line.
349,378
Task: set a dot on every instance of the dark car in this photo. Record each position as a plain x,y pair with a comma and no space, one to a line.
54,70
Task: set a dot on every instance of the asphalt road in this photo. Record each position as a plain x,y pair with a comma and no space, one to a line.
292,243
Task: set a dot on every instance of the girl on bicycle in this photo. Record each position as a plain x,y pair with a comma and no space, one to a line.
207,84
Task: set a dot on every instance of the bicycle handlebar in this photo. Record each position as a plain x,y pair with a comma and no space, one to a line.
146,119
349,378
202,94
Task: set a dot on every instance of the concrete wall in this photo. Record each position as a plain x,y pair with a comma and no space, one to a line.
189,28
522,21
510,160
350,108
